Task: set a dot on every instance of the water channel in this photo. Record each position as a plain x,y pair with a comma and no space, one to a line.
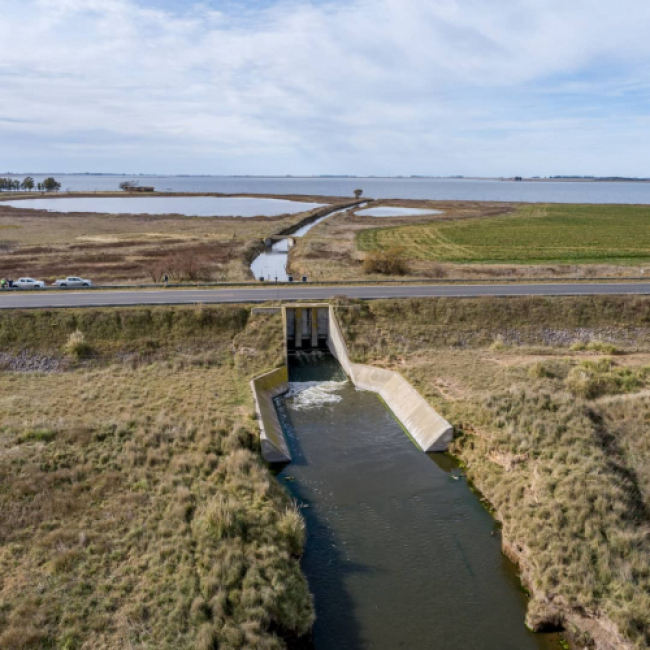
271,264
399,554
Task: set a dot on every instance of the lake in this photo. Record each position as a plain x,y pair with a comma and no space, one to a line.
380,188
195,206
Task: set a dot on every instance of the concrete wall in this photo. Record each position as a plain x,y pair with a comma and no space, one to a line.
266,310
430,430
265,389
311,321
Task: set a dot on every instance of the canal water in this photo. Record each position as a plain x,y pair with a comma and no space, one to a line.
398,554
271,264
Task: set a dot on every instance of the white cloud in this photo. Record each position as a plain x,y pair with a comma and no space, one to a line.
381,86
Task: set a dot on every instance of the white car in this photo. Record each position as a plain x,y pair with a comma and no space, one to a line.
29,283
73,282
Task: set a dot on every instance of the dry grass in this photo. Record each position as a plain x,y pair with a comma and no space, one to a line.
567,473
129,248
136,510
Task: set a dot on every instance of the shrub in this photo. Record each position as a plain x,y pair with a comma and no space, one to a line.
437,271
77,346
591,379
292,528
387,262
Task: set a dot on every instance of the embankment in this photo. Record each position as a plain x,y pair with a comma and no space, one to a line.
548,396
136,509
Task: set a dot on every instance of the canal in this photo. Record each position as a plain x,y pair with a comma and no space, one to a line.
400,554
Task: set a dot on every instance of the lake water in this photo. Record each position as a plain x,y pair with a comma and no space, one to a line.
395,212
380,188
398,554
196,206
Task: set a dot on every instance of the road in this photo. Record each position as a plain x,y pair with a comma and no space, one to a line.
115,298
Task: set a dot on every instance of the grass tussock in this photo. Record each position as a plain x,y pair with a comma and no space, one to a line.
592,379
558,443
601,347
136,511
77,346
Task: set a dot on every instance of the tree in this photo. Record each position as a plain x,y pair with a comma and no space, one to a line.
39,187
127,186
358,193
27,184
51,185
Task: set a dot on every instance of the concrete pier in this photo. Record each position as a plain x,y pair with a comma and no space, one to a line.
306,326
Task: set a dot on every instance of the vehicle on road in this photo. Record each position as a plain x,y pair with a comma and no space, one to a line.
73,281
28,283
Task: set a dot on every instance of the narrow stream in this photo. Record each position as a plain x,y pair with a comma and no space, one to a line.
272,263
399,554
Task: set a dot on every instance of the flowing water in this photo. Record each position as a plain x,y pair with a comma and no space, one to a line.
398,554
271,264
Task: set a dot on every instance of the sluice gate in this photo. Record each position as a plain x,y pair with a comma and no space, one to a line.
306,327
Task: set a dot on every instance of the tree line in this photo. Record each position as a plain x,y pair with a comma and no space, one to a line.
28,184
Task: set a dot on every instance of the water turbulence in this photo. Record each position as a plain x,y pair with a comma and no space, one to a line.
398,554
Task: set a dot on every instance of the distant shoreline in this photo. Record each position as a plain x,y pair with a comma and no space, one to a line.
523,179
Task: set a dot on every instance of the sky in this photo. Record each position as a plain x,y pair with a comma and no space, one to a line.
365,87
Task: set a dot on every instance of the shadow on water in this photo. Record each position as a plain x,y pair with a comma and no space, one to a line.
400,553
324,563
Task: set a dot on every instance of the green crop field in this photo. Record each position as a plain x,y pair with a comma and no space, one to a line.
534,234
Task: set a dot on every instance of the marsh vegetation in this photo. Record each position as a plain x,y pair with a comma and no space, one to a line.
133,248
136,509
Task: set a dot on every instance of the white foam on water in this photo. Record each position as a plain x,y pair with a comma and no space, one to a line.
306,395
307,358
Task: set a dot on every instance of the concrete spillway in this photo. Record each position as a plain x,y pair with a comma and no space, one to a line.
397,554
314,327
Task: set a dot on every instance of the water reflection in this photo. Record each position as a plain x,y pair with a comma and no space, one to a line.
197,206
390,211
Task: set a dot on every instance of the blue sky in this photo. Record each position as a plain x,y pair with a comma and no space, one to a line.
355,87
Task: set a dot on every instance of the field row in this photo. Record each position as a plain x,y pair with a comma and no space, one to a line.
533,234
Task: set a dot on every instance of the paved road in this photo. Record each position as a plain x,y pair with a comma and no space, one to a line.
17,300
